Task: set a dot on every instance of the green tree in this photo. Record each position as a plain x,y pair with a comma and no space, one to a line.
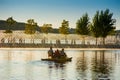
64,29
106,23
95,26
46,28
82,26
30,28
10,22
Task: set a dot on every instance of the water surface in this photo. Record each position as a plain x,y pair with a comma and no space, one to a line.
26,64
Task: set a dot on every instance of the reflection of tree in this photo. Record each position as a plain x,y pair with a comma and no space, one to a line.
116,57
59,68
101,65
95,63
82,65
50,70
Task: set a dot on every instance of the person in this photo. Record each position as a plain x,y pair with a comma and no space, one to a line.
57,54
63,54
50,53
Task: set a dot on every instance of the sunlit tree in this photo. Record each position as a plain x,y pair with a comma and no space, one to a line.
102,25
95,26
30,28
106,23
82,27
10,22
64,29
46,28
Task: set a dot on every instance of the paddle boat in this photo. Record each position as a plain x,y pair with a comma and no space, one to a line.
58,59
57,56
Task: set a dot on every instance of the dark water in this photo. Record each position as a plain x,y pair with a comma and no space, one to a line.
25,64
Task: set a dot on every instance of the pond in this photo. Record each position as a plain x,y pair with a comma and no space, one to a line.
26,64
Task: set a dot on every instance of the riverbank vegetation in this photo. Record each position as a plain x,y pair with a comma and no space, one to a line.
101,26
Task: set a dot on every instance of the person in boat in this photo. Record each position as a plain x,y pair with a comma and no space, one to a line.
57,54
62,53
50,53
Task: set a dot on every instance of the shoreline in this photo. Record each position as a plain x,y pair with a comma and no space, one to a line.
89,49
59,46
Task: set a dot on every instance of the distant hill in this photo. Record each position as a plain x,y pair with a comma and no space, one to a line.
16,26
21,26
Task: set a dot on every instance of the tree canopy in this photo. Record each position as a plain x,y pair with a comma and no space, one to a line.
106,22
95,26
64,29
10,21
30,26
46,28
103,24
82,25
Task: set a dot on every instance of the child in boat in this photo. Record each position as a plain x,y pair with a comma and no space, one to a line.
50,53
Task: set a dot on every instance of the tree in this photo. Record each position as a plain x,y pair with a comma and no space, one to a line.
106,23
82,27
30,28
10,21
95,26
46,28
64,29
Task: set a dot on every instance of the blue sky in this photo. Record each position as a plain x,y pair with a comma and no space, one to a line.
54,11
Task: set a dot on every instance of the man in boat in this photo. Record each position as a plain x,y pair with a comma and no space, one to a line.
63,54
50,53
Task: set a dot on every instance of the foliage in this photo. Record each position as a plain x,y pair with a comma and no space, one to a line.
106,23
95,26
102,24
46,28
30,27
82,25
64,29
10,21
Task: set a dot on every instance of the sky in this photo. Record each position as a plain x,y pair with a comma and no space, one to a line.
54,11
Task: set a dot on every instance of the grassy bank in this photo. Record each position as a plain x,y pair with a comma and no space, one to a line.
22,45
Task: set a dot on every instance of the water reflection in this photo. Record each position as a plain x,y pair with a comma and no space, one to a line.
98,62
27,65
81,65
56,71
101,64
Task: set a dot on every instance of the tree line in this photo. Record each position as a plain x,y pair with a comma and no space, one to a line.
102,25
